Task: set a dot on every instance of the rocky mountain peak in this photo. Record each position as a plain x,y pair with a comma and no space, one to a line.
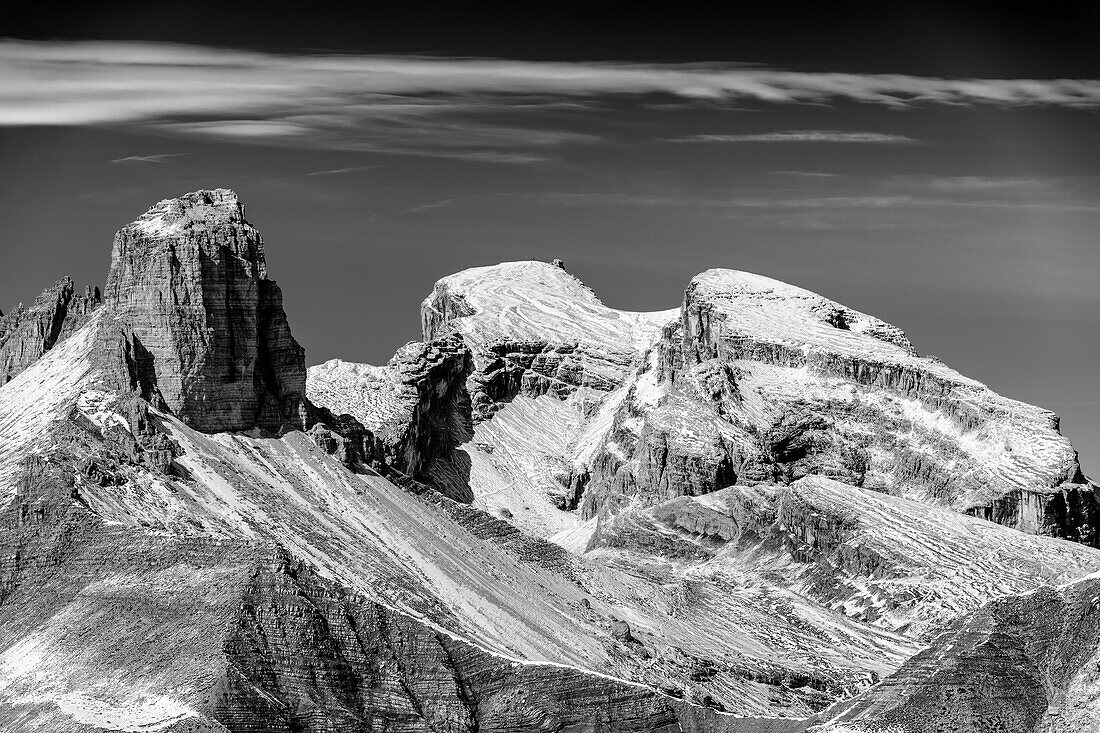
203,330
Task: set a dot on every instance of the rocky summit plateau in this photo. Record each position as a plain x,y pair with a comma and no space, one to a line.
759,511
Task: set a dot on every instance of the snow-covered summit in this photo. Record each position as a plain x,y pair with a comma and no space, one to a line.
762,306
750,379
534,301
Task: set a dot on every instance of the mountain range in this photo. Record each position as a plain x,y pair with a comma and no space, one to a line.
758,511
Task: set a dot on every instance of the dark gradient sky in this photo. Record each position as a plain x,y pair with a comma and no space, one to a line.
967,216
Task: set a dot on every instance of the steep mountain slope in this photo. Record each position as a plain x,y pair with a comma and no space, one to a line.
146,540
892,562
202,327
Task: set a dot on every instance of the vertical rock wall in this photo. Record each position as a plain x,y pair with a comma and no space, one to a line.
201,326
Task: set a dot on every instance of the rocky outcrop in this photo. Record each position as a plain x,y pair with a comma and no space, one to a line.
753,380
28,333
556,337
535,368
426,447
1023,663
345,438
776,383
417,408
1071,512
153,577
199,327
891,562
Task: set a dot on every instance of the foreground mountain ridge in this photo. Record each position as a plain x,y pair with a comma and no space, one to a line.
739,515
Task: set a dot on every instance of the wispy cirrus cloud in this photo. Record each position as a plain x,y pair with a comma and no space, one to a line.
445,203
806,174
489,110
343,171
802,136
156,158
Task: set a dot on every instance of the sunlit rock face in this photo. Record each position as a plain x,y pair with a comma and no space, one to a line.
417,406
750,381
202,327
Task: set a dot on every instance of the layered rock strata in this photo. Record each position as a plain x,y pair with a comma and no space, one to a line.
1023,663
417,406
199,326
751,380
238,635
28,333
756,502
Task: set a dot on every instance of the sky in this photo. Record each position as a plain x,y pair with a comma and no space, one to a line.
931,165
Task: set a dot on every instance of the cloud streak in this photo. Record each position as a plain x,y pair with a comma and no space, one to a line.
342,171
157,158
803,136
488,110
445,203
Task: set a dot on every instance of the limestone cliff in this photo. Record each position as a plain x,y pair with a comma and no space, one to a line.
746,514
417,405
200,327
127,629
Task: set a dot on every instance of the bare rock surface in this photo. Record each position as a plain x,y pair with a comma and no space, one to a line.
1021,663
417,406
894,563
200,326
235,635
28,333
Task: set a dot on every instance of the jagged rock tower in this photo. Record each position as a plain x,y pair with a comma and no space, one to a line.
202,328
28,333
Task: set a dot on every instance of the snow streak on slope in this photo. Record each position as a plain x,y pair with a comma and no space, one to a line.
522,453
39,397
525,459
537,301
373,395
775,311
401,551
751,366
946,562
133,650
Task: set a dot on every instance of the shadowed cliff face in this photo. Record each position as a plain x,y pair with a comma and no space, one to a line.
28,333
417,406
202,328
